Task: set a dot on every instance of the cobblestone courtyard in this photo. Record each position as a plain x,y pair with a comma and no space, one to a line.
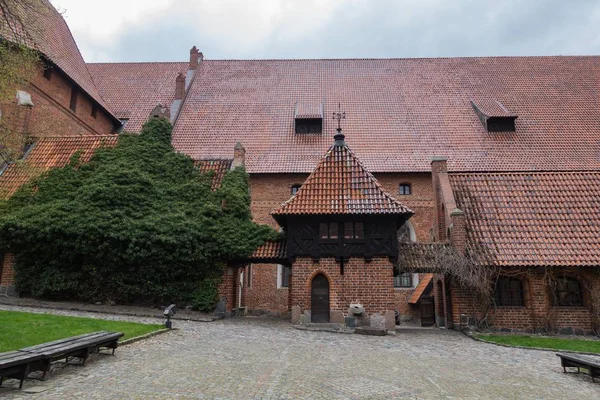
261,359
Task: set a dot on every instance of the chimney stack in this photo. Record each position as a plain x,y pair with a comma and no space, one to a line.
239,156
194,56
179,87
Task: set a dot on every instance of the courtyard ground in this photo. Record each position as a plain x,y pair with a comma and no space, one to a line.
265,359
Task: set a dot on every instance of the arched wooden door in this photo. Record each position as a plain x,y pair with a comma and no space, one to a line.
319,299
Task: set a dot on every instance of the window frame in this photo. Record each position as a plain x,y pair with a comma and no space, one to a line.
401,280
355,234
331,227
73,101
504,296
47,73
403,188
559,301
283,276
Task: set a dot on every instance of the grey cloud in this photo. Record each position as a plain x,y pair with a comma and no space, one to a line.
381,28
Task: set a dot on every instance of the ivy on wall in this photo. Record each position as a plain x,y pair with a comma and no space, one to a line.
136,223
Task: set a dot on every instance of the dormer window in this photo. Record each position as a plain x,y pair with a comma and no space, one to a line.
308,118
494,116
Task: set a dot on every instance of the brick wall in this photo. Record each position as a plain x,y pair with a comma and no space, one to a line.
538,313
370,284
264,295
268,191
7,275
421,199
50,114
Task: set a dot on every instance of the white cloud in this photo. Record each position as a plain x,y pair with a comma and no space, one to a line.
151,30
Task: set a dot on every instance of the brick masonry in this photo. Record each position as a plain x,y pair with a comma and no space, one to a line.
50,114
538,313
370,284
7,275
268,191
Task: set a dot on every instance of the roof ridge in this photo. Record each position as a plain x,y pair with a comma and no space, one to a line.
548,172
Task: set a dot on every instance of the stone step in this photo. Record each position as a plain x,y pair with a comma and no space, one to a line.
367,330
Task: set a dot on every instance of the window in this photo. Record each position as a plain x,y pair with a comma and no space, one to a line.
354,230
309,125
568,293
509,292
403,280
94,110
283,276
48,72
406,233
404,189
249,276
73,103
295,189
328,230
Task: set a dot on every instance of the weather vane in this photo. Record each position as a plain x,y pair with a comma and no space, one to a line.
339,115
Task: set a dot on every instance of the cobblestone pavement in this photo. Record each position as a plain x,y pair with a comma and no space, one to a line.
264,359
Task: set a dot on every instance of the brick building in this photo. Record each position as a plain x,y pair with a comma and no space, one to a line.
500,153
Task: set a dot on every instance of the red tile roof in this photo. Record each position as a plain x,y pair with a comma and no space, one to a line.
134,89
340,184
308,110
420,289
270,251
219,167
399,112
51,152
493,108
47,32
532,219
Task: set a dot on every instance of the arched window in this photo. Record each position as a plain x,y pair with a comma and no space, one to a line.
509,292
295,189
568,293
405,189
406,233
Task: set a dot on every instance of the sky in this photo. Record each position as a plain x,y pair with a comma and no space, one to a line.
165,30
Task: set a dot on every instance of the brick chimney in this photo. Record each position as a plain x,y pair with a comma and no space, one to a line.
439,165
458,234
179,87
239,156
194,56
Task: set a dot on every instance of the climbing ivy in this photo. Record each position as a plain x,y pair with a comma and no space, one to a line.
138,222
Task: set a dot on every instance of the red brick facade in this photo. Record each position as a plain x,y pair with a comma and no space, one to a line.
368,283
539,314
7,274
268,191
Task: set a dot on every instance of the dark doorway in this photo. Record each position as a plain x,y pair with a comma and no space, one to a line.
427,311
319,299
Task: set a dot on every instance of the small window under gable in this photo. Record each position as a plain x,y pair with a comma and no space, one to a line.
308,118
494,116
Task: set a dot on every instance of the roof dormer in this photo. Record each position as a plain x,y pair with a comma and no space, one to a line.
308,118
494,116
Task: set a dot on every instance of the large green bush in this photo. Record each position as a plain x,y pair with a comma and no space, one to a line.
136,223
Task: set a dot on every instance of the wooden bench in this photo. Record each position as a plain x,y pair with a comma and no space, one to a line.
74,347
580,361
17,365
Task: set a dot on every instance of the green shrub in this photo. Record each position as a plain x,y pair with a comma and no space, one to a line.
136,223
207,295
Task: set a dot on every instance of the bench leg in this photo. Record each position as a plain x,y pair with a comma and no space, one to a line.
85,356
46,369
